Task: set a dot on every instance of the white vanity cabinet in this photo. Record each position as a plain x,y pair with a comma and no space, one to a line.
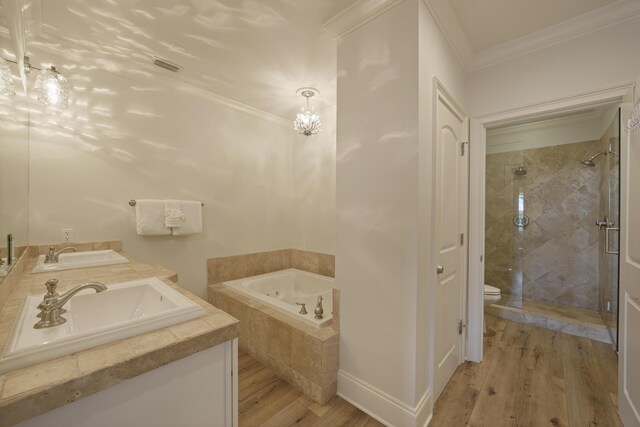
198,390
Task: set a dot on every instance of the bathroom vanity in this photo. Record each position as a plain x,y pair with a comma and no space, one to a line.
183,374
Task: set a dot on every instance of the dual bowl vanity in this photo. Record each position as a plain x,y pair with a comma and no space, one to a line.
134,333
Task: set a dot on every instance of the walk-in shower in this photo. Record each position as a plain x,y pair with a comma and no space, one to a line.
542,248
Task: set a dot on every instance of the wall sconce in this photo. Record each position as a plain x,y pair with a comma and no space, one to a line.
307,121
51,86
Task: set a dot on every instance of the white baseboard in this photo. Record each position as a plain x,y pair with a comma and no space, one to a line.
383,407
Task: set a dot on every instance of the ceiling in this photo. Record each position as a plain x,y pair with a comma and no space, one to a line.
257,53
489,23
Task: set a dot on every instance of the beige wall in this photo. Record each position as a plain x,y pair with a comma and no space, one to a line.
594,61
126,137
314,187
555,258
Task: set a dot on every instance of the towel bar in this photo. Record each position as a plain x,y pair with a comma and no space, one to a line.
132,202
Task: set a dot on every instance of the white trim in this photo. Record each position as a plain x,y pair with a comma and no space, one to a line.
357,15
446,18
388,410
477,147
578,26
591,114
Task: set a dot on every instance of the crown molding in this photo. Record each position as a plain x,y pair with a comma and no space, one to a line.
595,20
159,78
357,15
446,18
578,26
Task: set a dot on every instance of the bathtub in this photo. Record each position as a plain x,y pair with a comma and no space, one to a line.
283,289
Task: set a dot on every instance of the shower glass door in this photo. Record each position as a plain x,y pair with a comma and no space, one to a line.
610,235
505,220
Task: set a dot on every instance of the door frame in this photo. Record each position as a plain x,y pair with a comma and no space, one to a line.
477,151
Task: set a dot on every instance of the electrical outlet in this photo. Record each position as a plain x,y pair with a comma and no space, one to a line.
67,235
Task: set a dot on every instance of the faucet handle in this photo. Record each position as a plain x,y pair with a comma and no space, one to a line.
51,285
303,310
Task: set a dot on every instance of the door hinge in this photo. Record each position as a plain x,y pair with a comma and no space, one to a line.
461,326
462,144
461,239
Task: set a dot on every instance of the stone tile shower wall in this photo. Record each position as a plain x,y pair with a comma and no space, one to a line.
554,258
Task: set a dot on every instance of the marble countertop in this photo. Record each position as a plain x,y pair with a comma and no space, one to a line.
36,389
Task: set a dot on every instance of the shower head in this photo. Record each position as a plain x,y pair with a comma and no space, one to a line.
589,161
520,171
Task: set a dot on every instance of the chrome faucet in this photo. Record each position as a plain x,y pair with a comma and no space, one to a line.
53,256
319,311
51,306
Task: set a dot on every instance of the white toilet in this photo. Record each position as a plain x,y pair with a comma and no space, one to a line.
491,296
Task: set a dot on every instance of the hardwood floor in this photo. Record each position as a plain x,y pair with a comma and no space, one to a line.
264,399
532,377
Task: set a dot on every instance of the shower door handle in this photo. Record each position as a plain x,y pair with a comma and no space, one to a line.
606,241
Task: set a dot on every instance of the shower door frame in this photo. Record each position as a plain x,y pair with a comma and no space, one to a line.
477,151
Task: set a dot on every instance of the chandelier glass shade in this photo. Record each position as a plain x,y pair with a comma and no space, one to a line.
307,121
6,80
52,88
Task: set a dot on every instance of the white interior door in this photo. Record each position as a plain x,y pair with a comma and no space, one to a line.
629,336
452,168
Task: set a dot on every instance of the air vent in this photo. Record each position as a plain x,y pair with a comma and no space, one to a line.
165,64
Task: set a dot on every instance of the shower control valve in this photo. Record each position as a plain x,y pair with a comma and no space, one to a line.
604,223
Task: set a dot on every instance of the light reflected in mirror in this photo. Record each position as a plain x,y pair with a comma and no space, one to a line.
14,174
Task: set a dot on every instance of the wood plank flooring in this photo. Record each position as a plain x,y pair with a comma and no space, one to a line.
529,377
264,399
532,377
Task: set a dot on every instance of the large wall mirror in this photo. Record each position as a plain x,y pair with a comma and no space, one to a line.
14,174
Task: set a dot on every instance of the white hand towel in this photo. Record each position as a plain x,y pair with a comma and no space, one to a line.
192,223
173,216
150,218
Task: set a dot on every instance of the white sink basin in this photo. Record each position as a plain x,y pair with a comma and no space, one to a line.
71,260
123,310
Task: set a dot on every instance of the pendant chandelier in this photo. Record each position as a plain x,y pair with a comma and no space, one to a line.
51,87
307,121
6,80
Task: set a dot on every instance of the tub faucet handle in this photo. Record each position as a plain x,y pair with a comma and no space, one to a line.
319,311
303,309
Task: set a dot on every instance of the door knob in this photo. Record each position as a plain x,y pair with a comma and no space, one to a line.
440,269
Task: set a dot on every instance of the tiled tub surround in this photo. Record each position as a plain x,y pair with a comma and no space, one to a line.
30,391
235,267
555,258
303,355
